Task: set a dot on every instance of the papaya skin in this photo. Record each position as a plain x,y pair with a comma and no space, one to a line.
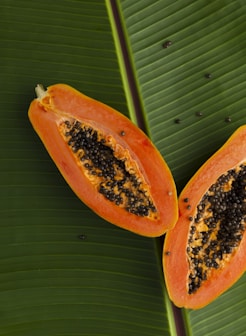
175,262
60,102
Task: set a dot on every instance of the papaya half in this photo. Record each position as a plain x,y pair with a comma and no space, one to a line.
205,253
110,164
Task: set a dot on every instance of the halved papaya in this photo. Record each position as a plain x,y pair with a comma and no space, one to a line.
110,164
205,253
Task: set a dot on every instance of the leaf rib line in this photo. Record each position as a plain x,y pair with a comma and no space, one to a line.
128,72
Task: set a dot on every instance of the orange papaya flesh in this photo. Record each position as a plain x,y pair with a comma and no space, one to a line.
205,253
110,164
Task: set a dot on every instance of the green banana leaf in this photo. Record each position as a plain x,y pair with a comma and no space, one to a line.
177,68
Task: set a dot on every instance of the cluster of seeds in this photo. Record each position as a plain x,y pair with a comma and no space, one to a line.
110,168
218,226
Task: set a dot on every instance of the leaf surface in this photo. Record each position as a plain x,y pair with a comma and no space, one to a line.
63,270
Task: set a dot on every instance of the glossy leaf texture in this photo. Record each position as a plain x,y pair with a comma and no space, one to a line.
64,271
189,61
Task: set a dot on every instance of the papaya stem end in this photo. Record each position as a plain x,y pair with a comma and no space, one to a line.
40,91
